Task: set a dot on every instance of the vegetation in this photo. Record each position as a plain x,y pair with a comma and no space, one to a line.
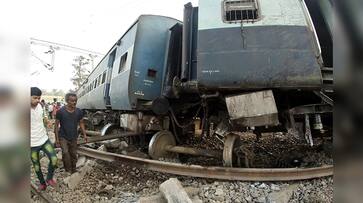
80,72
53,92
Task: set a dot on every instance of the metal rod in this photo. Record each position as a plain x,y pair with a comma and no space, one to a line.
324,97
107,137
308,135
194,151
93,133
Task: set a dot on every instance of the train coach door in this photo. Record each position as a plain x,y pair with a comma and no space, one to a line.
111,60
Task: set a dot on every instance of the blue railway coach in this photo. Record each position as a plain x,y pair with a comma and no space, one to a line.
132,71
233,65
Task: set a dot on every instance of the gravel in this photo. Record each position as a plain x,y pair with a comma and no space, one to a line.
117,182
124,184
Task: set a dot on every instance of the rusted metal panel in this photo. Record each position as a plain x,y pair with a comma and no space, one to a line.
251,104
130,121
312,109
253,109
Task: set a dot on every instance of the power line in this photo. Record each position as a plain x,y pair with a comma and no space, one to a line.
46,65
53,46
63,46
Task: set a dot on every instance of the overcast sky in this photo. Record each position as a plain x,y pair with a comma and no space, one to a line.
87,24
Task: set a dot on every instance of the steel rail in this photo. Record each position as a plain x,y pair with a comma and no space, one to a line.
223,173
42,195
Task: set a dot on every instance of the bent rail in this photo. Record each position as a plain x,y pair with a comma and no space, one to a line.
224,173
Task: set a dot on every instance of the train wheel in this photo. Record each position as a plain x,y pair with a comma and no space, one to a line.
231,144
158,143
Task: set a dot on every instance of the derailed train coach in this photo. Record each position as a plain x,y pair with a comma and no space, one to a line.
232,65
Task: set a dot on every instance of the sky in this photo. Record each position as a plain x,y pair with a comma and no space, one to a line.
87,24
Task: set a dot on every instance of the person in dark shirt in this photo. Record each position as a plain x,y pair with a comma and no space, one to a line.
67,120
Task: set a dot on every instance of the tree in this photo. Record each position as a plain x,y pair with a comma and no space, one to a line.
80,72
53,92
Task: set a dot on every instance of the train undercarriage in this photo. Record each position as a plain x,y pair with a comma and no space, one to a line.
167,130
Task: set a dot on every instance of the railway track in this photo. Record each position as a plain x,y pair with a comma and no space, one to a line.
43,196
223,173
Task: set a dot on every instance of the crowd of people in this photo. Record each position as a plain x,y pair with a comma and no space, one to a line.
51,108
65,120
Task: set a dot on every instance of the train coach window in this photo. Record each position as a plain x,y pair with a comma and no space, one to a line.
99,80
95,84
238,11
103,77
122,63
151,73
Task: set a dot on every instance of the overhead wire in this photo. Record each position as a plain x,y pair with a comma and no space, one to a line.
49,43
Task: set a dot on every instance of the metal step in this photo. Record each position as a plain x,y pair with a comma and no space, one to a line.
327,74
328,87
328,80
327,69
328,90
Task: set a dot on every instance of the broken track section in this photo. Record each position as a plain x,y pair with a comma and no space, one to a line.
43,196
223,173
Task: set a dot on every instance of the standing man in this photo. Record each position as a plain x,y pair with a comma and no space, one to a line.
42,102
39,140
67,119
56,108
50,110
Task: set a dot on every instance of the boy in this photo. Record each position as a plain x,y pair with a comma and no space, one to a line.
39,141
